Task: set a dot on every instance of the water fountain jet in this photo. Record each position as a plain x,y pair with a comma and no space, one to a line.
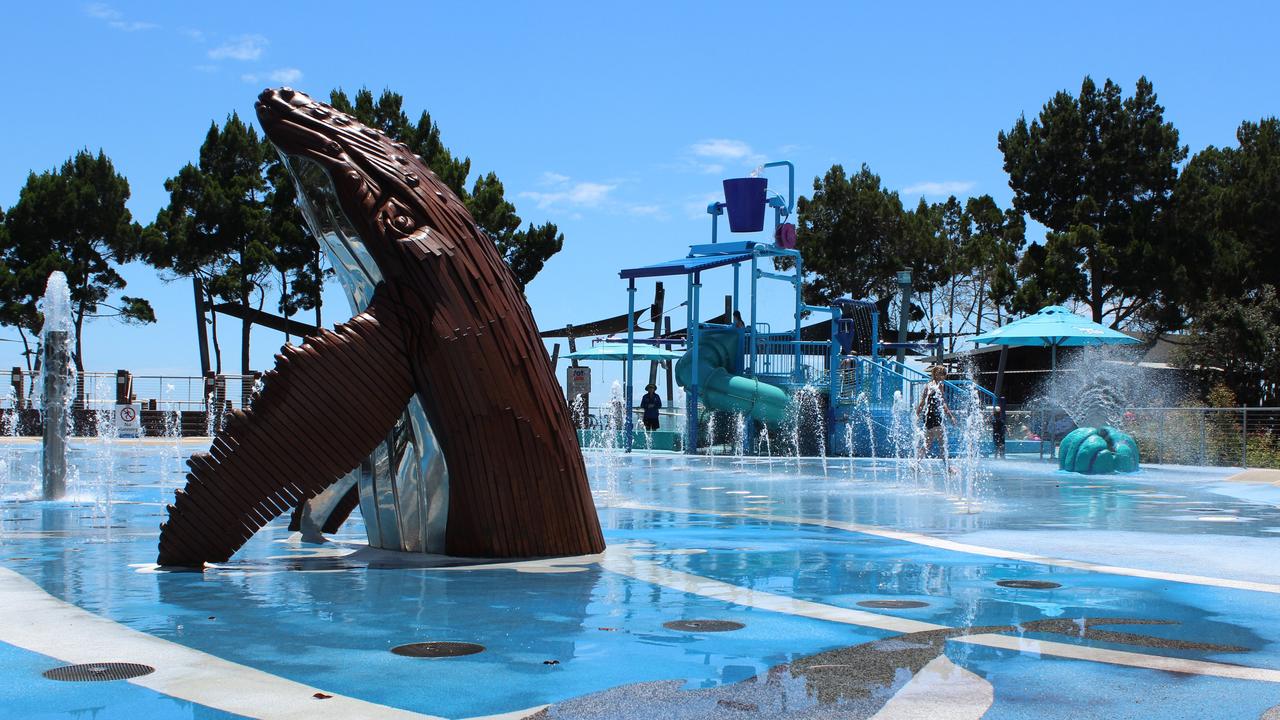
56,380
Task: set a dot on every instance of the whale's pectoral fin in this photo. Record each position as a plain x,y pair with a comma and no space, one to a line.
322,410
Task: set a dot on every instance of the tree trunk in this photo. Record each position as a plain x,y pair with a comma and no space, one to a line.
284,301
1095,284
79,334
246,325
951,316
213,328
982,289
26,349
319,286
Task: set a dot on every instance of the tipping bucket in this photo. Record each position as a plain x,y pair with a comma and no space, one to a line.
744,199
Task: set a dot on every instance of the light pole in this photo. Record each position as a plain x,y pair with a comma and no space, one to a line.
904,311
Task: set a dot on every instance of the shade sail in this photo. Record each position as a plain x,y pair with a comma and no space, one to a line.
685,266
1053,326
618,351
599,327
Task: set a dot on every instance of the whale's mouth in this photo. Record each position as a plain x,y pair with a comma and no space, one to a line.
352,263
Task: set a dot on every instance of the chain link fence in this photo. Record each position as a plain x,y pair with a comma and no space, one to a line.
1228,437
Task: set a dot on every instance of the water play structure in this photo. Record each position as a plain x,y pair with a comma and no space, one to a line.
829,376
440,365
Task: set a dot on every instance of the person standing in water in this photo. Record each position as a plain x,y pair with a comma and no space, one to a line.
997,431
933,412
651,404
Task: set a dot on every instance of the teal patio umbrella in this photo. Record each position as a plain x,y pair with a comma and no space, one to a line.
1053,327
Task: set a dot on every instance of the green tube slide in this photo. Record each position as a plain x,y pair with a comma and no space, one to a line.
719,389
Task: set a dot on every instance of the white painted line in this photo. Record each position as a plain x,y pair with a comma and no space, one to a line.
621,562
941,544
37,621
514,714
618,561
941,690
1121,657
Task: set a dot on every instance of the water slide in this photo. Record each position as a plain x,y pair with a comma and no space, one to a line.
720,389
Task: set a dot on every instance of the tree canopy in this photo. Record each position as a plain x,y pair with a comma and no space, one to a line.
852,233
1098,171
1226,207
856,236
72,219
218,226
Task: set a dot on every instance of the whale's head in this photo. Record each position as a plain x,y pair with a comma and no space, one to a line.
360,191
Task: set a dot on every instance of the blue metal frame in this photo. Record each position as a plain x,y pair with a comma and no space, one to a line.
735,253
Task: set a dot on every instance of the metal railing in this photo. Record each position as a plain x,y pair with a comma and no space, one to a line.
776,357
1225,437
97,391
879,378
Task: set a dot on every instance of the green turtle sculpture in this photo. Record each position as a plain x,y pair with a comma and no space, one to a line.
1098,451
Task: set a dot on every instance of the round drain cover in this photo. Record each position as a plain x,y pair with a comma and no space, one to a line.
703,625
893,604
437,649
90,672
1029,584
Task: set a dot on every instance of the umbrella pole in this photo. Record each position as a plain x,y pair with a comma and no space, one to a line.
1004,358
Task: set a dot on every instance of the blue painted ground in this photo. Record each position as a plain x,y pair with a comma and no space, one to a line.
309,614
24,693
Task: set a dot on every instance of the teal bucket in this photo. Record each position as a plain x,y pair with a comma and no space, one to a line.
744,199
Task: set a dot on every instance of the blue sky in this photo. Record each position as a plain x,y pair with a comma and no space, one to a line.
615,121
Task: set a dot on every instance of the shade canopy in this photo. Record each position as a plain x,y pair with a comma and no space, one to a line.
684,266
606,326
618,351
1054,326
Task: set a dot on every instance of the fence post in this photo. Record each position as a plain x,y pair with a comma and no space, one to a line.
1244,436
1203,418
1160,438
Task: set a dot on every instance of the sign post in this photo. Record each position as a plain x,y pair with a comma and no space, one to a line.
578,383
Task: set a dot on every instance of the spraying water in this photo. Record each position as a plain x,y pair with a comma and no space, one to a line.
57,375
103,449
739,438
1097,384
711,438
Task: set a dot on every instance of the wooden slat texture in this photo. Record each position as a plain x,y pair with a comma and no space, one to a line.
450,324
320,412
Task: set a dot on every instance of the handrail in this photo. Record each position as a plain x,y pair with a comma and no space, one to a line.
981,390
905,368
878,365
960,384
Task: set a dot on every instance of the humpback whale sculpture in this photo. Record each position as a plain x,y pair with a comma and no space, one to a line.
443,351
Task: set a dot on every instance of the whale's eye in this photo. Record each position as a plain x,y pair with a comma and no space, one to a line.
396,219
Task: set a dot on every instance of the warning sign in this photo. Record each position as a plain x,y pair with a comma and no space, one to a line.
579,382
128,423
